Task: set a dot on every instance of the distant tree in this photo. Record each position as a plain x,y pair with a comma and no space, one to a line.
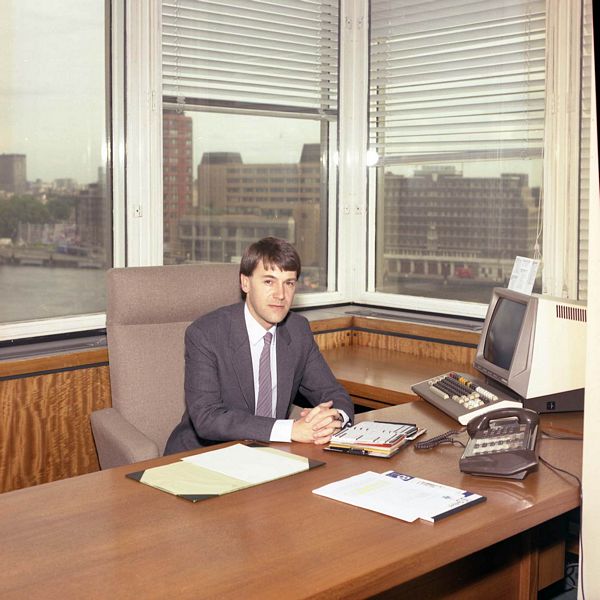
60,208
24,209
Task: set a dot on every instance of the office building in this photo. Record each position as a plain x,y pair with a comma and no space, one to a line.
223,238
282,196
177,174
439,223
13,173
93,219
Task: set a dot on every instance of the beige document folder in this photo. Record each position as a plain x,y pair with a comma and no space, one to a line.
222,471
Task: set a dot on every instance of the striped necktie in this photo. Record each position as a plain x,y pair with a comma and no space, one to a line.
264,404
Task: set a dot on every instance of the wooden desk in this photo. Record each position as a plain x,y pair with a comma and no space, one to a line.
104,536
378,377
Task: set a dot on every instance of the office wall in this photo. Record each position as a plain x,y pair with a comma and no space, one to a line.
45,402
591,445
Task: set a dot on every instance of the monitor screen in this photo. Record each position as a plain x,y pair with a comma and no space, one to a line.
503,332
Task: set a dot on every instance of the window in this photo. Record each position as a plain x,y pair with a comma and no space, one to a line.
252,86
456,115
55,199
234,130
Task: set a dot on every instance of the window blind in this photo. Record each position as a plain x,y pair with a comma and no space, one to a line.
587,48
280,55
456,80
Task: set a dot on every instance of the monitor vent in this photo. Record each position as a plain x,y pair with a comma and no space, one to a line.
571,313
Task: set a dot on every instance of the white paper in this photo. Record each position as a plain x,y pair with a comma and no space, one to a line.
522,278
374,492
435,499
254,465
400,496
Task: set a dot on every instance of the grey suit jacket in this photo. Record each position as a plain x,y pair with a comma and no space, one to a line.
219,385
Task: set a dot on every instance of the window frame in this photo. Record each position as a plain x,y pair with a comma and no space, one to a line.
560,214
115,151
135,161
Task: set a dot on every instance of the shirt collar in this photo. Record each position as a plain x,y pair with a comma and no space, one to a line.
256,332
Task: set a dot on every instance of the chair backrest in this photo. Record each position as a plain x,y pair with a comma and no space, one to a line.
148,310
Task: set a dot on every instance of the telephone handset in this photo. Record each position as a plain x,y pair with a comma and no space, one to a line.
502,444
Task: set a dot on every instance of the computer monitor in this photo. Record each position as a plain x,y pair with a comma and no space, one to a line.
535,346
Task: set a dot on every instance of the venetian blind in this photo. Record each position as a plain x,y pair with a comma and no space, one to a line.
587,75
454,80
280,54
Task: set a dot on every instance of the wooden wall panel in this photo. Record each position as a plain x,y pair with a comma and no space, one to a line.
333,339
460,336
435,349
45,431
45,402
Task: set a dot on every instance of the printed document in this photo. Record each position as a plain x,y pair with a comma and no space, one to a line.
399,495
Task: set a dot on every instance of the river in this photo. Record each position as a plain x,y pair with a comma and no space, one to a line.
41,292
28,293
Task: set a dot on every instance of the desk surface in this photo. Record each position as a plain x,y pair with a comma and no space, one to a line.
105,536
384,375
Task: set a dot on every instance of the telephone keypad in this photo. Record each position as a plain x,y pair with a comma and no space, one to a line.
500,439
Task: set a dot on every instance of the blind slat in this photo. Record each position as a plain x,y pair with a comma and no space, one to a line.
452,78
254,51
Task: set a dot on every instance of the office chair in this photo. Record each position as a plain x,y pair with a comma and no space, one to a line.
148,310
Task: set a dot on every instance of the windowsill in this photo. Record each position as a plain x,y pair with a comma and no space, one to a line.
391,314
22,358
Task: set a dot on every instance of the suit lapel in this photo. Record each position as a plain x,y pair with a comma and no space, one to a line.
240,355
285,371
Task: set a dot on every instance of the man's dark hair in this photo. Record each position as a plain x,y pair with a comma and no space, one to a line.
273,252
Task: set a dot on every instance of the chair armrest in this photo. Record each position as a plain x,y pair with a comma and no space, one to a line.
118,442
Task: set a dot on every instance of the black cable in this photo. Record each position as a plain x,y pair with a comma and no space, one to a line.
570,571
580,491
447,438
443,438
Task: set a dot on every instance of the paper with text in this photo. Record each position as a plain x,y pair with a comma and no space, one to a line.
253,465
398,495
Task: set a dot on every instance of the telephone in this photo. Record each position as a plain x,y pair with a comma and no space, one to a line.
502,444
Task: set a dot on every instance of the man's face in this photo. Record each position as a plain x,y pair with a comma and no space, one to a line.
269,293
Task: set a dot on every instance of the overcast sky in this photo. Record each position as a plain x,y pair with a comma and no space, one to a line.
52,99
52,96
52,86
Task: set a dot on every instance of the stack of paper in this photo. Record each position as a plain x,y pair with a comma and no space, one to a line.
399,495
374,438
224,470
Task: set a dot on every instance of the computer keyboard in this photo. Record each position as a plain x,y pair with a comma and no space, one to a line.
463,397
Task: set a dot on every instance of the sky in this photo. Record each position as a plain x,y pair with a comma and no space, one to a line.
52,97
52,100
52,86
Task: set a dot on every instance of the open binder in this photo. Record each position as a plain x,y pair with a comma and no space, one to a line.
374,438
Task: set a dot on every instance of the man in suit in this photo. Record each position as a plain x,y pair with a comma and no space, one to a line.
245,363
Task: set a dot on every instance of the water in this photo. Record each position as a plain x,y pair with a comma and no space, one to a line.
28,293
31,293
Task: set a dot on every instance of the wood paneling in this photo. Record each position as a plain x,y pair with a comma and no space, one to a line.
45,402
334,339
45,431
416,330
331,324
437,350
